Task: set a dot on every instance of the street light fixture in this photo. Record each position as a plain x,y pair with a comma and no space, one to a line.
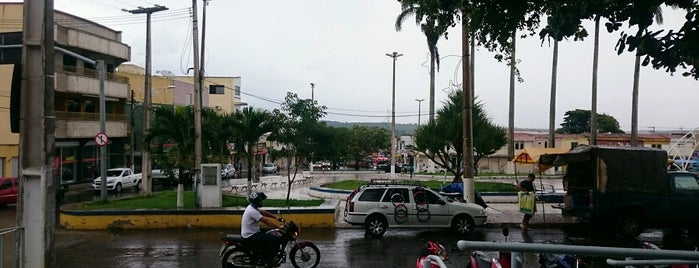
395,56
419,104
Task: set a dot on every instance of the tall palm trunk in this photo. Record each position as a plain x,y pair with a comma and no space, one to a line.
552,105
634,102
593,113
511,124
432,75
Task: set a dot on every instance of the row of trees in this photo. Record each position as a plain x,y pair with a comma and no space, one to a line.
296,125
494,25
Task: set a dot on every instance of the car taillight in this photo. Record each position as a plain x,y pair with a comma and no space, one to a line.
351,207
591,198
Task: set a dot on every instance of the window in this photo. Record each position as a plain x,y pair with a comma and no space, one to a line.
519,145
15,167
237,91
216,89
397,195
6,184
2,167
73,105
656,146
188,99
432,198
686,183
373,195
89,106
573,145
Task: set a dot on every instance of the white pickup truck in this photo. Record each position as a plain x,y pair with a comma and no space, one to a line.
118,179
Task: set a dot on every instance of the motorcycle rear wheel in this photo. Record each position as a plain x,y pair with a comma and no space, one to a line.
236,258
307,256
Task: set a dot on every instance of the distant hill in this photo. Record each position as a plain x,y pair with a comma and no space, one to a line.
401,129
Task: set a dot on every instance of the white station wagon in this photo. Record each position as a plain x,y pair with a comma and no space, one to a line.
405,204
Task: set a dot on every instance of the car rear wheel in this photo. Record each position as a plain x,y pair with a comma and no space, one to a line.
629,224
463,224
376,226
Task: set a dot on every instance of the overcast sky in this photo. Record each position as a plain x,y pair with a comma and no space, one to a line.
281,46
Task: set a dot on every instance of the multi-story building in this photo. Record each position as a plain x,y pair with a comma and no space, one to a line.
76,93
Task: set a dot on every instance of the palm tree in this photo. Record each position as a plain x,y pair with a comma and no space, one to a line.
552,105
433,31
511,125
595,60
249,125
658,14
162,131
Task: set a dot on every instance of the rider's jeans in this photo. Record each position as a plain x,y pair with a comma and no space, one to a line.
266,244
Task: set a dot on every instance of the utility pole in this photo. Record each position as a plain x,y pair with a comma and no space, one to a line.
197,96
133,140
197,111
36,209
419,104
313,86
395,56
467,116
145,157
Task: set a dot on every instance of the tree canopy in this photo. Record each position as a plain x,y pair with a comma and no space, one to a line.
493,22
441,139
578,121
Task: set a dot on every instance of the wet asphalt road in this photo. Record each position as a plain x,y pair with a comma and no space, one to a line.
339,247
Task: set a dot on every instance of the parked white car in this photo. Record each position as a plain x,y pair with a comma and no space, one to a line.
228,171
270,168
404,204
118,179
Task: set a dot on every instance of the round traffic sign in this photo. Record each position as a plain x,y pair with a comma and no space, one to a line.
101,139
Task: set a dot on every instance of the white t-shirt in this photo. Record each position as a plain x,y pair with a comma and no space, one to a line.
250,223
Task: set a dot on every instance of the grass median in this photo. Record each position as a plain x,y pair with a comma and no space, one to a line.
437,185
168,199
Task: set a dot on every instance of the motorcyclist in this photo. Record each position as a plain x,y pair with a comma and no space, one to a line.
250,228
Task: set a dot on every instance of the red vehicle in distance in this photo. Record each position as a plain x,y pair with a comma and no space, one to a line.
8,190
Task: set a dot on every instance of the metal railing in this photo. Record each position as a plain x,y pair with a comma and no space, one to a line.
10,257
645,256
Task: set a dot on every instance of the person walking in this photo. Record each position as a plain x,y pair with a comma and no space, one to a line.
527,186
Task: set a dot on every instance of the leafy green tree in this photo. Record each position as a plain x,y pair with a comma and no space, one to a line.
578,121
365,140
442,139
299,126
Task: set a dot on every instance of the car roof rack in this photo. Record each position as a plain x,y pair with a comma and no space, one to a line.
388,181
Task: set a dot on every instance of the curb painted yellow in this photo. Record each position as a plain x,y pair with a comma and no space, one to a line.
203,218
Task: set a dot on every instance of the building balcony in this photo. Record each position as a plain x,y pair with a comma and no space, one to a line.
87,125
86,81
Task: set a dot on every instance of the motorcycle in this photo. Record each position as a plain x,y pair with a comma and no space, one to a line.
433,255
480,259
236,253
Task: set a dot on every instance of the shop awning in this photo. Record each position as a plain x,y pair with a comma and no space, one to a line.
531,155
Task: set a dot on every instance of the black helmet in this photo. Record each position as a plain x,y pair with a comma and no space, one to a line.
256,199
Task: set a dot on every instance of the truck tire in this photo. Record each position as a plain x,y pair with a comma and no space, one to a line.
629,224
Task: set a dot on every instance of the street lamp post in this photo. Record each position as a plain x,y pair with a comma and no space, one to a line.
419,104
395,56
313,86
